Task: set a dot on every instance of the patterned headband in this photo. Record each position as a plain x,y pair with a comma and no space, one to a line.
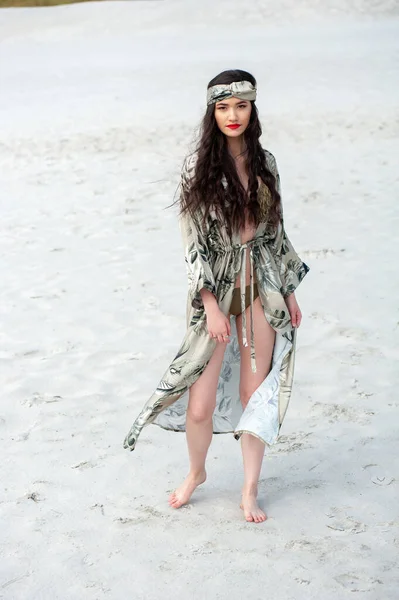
239,89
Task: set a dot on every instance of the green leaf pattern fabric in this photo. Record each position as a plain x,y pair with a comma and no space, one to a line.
213,261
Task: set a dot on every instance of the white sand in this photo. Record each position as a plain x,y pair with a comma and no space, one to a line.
98,106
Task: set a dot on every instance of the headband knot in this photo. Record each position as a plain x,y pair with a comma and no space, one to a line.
239,89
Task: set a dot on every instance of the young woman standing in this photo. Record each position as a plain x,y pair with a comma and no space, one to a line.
234,369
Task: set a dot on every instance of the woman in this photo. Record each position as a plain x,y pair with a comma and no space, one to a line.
242,272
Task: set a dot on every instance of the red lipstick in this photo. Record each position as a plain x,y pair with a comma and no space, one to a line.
233,126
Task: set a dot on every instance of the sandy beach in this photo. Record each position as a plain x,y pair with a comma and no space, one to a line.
99,105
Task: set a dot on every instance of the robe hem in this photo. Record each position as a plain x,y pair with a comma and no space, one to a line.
241,431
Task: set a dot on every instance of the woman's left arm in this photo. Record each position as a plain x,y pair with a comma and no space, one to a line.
291,266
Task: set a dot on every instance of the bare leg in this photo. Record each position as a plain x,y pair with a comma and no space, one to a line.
253,449
199,426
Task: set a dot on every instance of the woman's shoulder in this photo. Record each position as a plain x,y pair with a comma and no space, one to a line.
190,161
271,162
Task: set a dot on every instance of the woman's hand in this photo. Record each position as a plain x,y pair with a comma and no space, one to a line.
294,310
218,324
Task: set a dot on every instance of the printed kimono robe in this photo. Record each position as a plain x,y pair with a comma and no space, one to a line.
213,261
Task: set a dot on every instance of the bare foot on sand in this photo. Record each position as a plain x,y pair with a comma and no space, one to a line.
183,493
251,509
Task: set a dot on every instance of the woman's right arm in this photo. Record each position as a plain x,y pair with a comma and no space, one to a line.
209,300
202,286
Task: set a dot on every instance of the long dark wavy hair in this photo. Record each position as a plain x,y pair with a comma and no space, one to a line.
213,161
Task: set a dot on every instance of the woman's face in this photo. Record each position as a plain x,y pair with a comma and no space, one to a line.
232,116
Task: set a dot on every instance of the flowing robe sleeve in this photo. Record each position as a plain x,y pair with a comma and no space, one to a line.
292,268
196,252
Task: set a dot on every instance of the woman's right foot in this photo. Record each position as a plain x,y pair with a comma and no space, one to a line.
183,493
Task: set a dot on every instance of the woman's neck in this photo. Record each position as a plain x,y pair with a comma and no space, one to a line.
236,146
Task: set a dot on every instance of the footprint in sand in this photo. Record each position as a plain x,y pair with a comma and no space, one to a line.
328,319
37,399
378,475
355,583
147,513
336,412
35,496
128,520
291,443
150,303
312,197
340,521
360,393
322,253
360,335
100,506
86,464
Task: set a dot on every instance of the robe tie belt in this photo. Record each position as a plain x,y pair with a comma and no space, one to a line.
243,251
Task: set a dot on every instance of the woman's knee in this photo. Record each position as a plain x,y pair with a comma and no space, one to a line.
249,384
245,395
202,395
200,412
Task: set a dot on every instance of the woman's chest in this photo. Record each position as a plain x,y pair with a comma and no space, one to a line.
218,236
248,231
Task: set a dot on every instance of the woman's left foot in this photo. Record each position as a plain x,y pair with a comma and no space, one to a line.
251,509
